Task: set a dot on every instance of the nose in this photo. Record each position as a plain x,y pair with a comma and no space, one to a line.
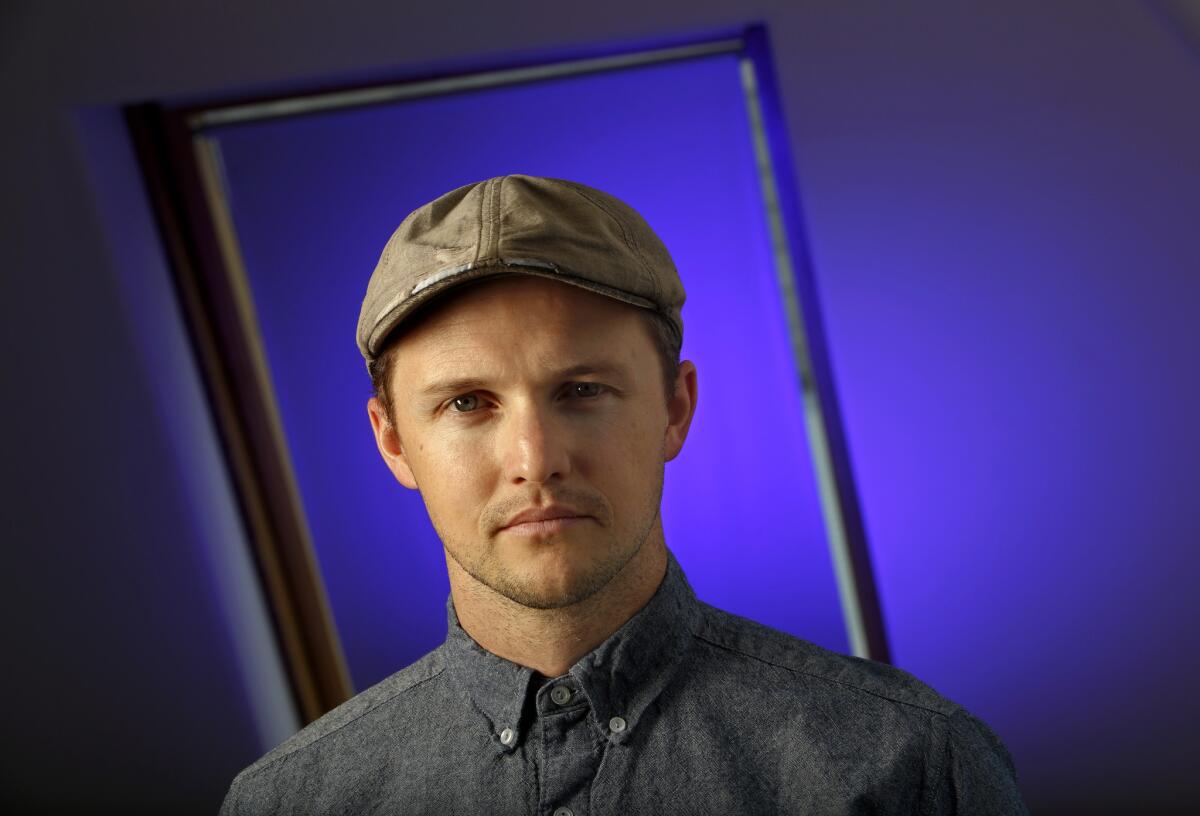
532,447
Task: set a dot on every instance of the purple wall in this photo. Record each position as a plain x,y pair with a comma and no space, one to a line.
1010,267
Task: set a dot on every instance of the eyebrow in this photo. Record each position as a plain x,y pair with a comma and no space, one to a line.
460,385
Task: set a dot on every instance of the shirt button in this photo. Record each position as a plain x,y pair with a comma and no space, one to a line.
616,725
563,811
560,694
507,736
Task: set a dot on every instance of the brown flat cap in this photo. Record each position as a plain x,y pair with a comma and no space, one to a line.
519,224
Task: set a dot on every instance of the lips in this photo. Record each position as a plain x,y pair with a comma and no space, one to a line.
535,514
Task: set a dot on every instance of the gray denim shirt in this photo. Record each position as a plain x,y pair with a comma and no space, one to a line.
686,709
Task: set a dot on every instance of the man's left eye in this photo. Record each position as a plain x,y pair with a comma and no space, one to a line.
586,389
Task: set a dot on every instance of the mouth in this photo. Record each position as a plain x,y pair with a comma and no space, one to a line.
545,527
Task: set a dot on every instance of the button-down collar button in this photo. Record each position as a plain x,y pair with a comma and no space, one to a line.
508,736
560,694
616,725
563,811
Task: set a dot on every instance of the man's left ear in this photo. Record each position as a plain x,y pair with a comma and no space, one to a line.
680,409
391,448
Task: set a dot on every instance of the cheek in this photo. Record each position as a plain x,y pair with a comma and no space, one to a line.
630,451
452,473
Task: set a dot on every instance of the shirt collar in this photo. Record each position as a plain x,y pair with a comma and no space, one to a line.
619,678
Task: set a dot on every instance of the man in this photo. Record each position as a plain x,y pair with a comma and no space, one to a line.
523,335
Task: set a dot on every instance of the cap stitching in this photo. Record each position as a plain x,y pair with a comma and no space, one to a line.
497,204
483,223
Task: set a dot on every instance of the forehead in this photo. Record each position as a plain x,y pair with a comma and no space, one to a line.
520,320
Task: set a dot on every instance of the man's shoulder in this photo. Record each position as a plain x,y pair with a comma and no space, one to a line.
817,669
359,708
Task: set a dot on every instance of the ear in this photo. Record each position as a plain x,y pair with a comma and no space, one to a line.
680,409
391,448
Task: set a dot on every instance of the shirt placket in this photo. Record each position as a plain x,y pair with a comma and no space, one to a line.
570,749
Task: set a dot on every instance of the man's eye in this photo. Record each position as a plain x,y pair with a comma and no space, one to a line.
586,389
466,403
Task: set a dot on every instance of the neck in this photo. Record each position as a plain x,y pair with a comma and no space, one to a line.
551,641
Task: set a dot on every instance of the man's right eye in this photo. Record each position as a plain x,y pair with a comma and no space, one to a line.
466,403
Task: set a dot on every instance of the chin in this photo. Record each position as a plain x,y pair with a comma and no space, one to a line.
556,583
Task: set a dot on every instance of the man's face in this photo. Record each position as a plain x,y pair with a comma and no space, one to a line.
522,393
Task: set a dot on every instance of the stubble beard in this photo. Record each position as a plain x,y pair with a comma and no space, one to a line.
613,555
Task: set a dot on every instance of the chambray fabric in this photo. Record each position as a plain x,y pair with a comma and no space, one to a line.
686,709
